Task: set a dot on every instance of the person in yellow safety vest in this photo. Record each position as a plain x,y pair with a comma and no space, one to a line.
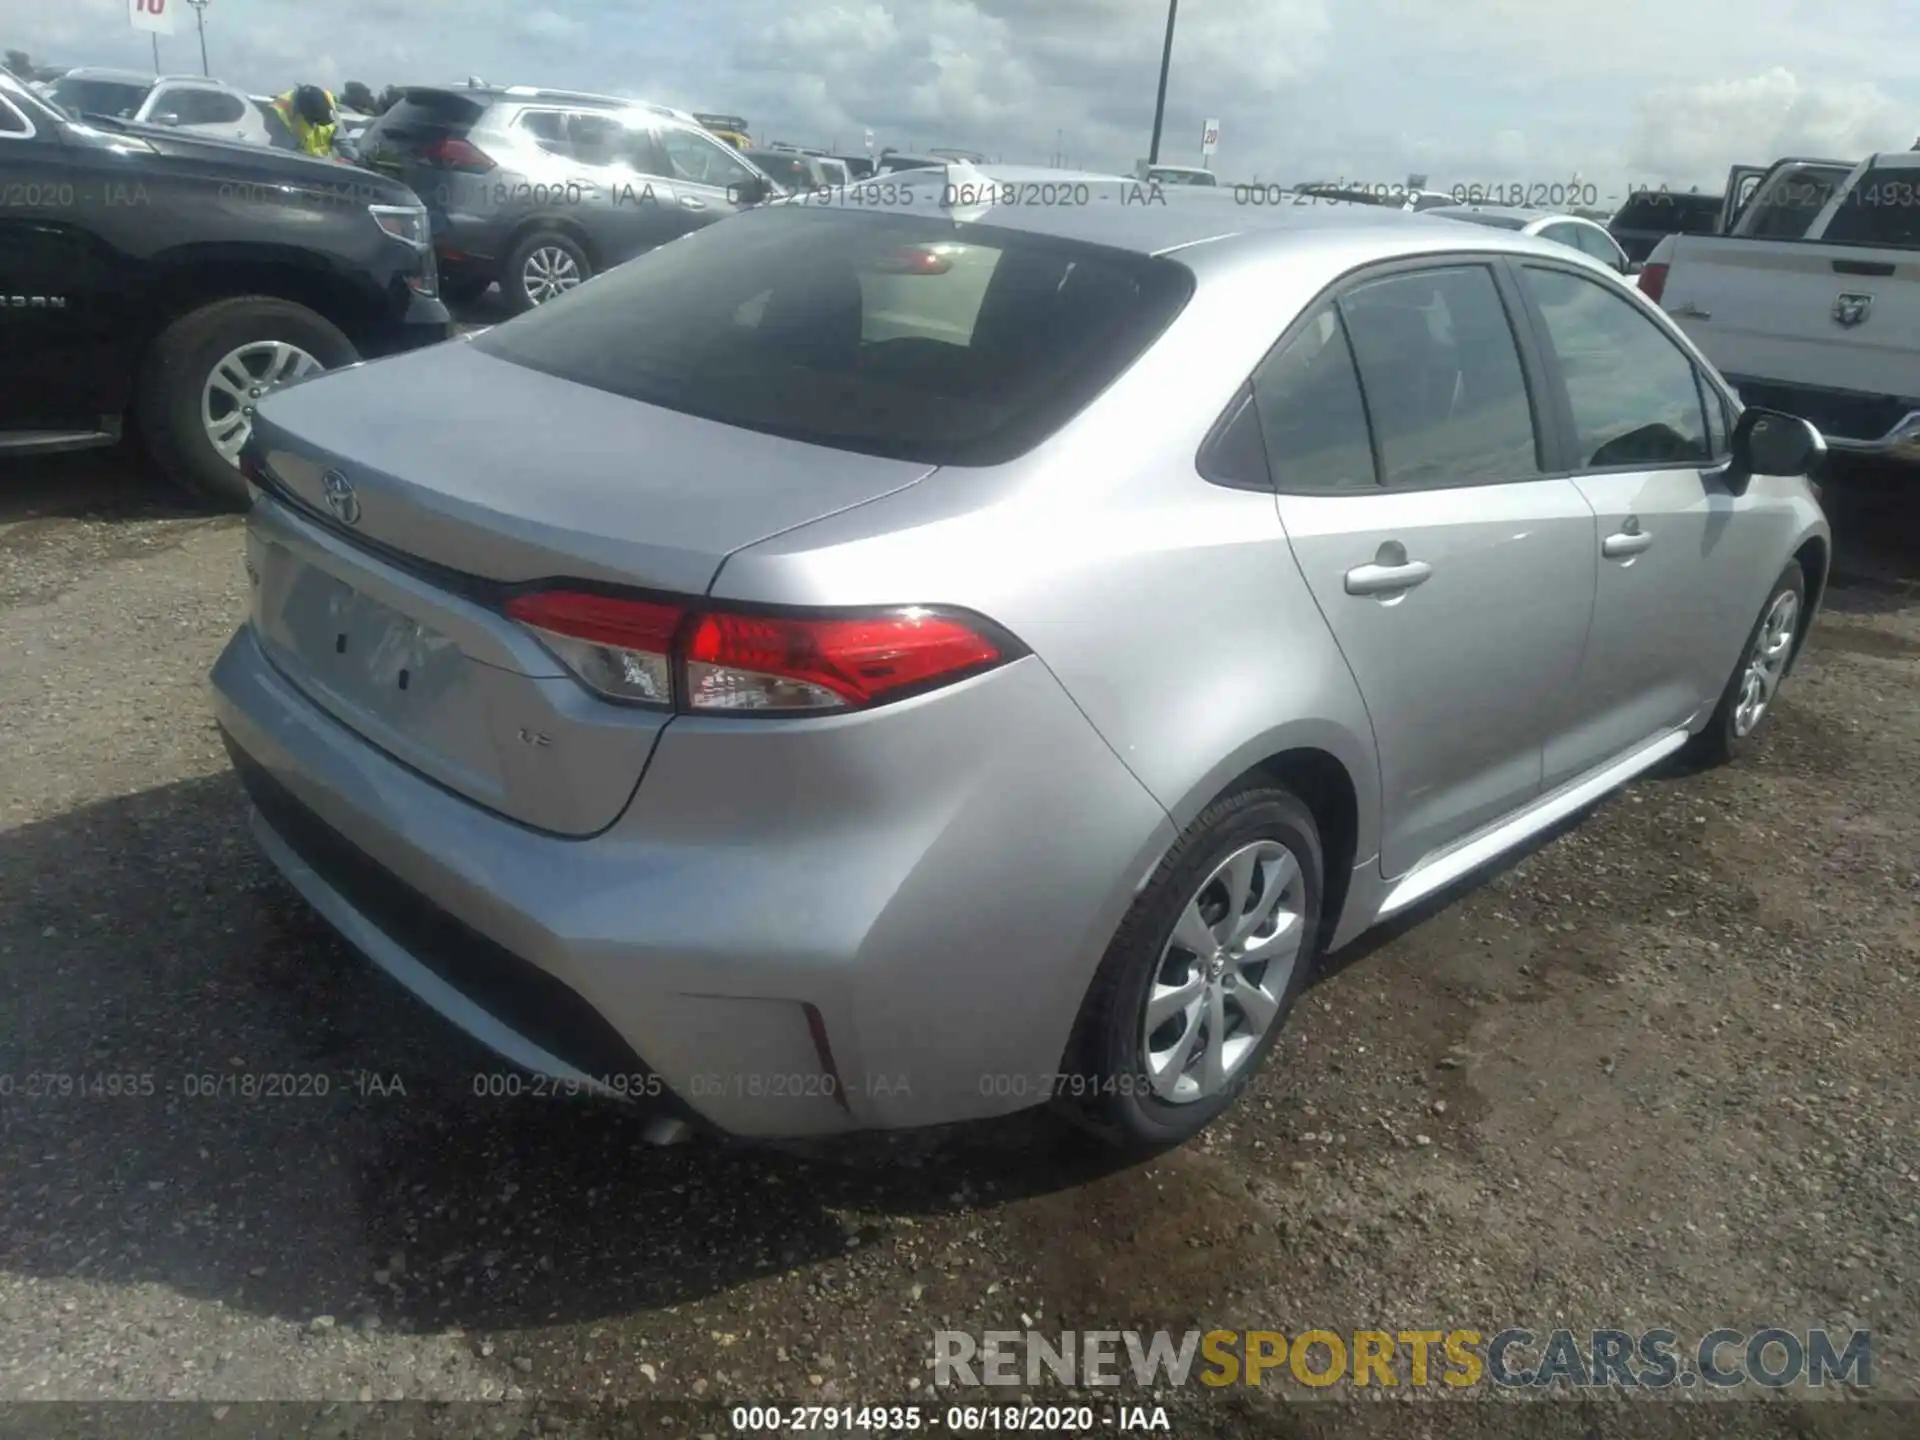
308,113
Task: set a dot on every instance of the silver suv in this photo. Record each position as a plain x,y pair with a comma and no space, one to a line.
874,664
541,189
189,103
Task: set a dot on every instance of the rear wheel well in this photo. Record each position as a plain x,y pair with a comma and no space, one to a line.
1323,785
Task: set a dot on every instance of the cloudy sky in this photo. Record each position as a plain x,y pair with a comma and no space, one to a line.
1489,91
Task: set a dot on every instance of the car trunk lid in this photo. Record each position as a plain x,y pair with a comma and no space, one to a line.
406,497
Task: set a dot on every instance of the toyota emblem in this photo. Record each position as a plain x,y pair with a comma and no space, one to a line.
341,500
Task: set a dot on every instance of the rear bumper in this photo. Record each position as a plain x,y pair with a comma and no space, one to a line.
881,920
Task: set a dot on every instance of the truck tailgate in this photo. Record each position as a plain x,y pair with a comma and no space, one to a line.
1801,313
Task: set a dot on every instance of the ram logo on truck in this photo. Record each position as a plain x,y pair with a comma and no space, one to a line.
33,302
1851,310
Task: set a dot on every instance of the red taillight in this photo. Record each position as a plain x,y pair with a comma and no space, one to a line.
732,662
758,662
452,153
1653,282
622,648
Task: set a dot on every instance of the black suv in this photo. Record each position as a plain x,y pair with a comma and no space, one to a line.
1649,216
170,281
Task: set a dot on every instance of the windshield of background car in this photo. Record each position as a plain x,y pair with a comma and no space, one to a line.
904,336
118,98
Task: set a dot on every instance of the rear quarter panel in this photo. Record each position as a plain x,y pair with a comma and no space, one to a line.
1171,609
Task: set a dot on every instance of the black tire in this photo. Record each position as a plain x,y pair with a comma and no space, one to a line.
513,279
1105,1088
1721,740
174,375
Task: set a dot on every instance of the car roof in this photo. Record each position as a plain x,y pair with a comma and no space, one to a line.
130,77
1200,221
538,95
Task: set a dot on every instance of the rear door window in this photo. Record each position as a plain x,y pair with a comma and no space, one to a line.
1633,392
1313,422
886,334
1442,378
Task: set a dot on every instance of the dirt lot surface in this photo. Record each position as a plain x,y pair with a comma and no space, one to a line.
1664,1070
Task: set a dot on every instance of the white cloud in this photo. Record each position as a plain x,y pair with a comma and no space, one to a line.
1693,133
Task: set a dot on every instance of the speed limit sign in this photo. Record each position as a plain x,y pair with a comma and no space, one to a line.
153,16
1210,137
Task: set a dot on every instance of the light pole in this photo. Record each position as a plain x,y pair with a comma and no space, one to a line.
1159,104
200,19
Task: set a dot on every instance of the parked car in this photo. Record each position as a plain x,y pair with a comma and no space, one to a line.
946,723
1569,230
188,103
791,170
542,189
175,280
730,128
1827,325
1391,197
1649,216
859,167
893,162
1180,175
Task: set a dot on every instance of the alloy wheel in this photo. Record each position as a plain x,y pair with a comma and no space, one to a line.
238,383
549,271
1766,662
1216,989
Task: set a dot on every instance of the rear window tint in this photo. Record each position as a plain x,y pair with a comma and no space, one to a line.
1883,209
889,335
430,112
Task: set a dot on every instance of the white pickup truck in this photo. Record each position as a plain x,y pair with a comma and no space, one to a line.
1812,304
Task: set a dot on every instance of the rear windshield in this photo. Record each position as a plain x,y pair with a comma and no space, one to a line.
893,335
1883,209
115,98
429,113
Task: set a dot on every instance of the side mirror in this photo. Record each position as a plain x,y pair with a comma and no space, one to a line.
751,191
166,117
1768,442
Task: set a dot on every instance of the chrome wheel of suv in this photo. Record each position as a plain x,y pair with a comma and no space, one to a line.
548,271
1221,974
237,384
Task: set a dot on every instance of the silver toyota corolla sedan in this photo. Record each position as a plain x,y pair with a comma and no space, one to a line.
905,660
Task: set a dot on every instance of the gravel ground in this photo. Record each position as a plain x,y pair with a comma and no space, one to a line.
1664,1070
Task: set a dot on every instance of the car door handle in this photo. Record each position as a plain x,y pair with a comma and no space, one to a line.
1387,579
1624,543
693,202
